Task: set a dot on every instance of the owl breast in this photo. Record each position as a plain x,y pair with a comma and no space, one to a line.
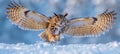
56,29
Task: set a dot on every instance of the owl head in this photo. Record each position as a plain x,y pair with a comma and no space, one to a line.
59,19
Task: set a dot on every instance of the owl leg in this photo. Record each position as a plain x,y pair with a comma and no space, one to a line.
53,38
50,37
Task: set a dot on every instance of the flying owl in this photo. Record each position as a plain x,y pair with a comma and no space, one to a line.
58,24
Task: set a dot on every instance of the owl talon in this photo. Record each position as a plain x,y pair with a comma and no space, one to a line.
50,38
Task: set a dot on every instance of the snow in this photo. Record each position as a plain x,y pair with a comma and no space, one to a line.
47,48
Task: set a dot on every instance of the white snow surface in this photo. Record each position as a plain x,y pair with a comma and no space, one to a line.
47,48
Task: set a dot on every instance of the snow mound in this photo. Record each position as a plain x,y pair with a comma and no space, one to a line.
46,48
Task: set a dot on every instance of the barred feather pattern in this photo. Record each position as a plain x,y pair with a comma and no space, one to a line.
103,23
58,24
25,19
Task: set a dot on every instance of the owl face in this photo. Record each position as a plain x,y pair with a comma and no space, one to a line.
57,23
59,20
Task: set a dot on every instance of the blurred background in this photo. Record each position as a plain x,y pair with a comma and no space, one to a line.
11,34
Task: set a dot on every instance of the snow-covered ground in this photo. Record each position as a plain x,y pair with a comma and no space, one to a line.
46,48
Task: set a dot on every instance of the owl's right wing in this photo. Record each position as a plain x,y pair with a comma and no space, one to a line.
25,18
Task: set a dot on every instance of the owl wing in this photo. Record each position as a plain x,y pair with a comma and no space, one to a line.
25,18
92,26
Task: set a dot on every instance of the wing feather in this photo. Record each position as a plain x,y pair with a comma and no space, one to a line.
103,23
25,18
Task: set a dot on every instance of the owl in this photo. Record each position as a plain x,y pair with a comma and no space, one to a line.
58,24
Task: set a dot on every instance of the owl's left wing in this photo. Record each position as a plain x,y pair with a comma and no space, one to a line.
25,18
90,26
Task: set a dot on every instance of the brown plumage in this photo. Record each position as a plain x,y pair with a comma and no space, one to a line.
103,22
58,24
25,18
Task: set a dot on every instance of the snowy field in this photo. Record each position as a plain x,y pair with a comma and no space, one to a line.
14,40
45,48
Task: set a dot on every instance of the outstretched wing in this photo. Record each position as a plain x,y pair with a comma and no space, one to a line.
92,26
25,18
